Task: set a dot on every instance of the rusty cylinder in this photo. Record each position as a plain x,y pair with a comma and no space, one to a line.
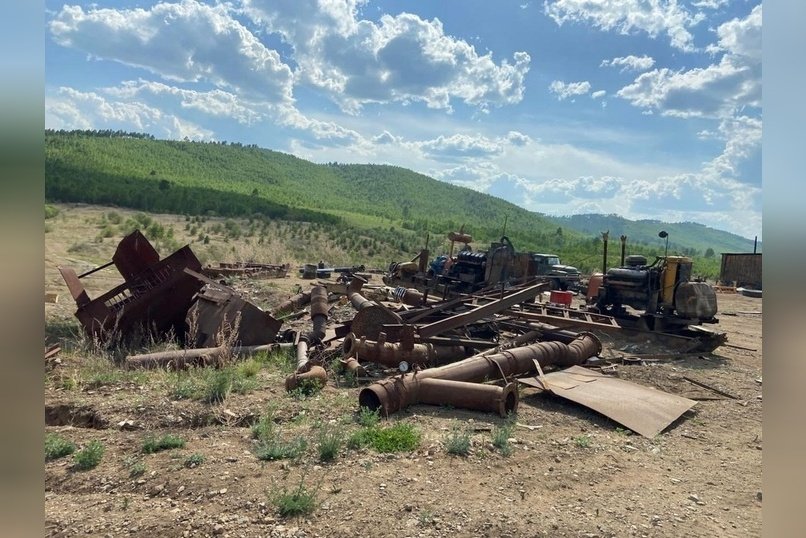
318,313
353,293
302,355
351,365
293,303
316,374
393,353
513,362
399,393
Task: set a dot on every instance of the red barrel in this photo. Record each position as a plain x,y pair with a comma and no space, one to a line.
561,297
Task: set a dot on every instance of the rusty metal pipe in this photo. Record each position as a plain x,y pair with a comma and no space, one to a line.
184,358
293,303
397,393
351,365
393,353
319,310
302,355
316,374
358,301
394,396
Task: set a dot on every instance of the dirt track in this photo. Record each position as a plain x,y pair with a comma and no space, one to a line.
572,472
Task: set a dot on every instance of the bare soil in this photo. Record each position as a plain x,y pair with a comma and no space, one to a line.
572,472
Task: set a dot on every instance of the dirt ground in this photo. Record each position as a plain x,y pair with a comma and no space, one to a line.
572,472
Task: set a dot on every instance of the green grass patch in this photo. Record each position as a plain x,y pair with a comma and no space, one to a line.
57,447
89,457
368,418
165,442
401,437
582,441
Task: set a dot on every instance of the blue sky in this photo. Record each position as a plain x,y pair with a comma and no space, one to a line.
644,108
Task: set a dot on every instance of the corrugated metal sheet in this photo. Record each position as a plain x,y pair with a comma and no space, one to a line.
741,269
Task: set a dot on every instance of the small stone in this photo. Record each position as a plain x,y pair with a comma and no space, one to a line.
218,529
758,495
180,489
694,497
223,491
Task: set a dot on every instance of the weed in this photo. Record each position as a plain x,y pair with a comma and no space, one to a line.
194,460
185,386
249,368
457,442
276,449
166,442
368,418
401,437
263,429
582,441
90,456
330,440
501,435
217,386
137,468
425,517
306,388
298,501
125,504
623,431
57,447
281,359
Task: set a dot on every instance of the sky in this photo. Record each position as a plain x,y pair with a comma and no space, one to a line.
642,108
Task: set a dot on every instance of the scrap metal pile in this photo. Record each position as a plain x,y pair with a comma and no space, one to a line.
469,351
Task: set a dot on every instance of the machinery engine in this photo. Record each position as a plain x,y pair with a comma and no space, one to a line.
663,288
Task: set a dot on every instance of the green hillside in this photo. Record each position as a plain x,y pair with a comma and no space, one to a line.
386,203
682,235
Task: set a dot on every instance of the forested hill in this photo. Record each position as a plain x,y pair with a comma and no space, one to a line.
197,178
682,235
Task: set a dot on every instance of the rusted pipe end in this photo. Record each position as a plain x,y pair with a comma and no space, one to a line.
353,366
318,302
349,346
390,395
509,400
314,379
586,345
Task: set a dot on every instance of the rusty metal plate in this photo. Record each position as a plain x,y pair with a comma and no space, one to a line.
644,410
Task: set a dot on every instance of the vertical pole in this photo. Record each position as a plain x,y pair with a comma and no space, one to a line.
604,253
623,249
755,244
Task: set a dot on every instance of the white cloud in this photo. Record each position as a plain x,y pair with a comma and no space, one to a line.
565,90
630,63
518,138
655,17
715,91
73,109
187,41
598,94
401,58
710,4
216,103
460,145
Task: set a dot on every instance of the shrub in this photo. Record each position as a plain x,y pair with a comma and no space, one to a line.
330,441
276,449
501,435
217,386
457,442
166,442
368,418
194,460
299,501
583,441
90,456
50,211
57,447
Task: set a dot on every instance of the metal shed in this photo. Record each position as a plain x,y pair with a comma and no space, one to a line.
743,269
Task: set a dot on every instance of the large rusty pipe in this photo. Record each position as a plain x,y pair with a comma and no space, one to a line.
316,374
293,304
393,353
358,301
513,362
396,393
319,310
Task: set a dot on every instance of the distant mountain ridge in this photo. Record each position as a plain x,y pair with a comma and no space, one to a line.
183,177
645,231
